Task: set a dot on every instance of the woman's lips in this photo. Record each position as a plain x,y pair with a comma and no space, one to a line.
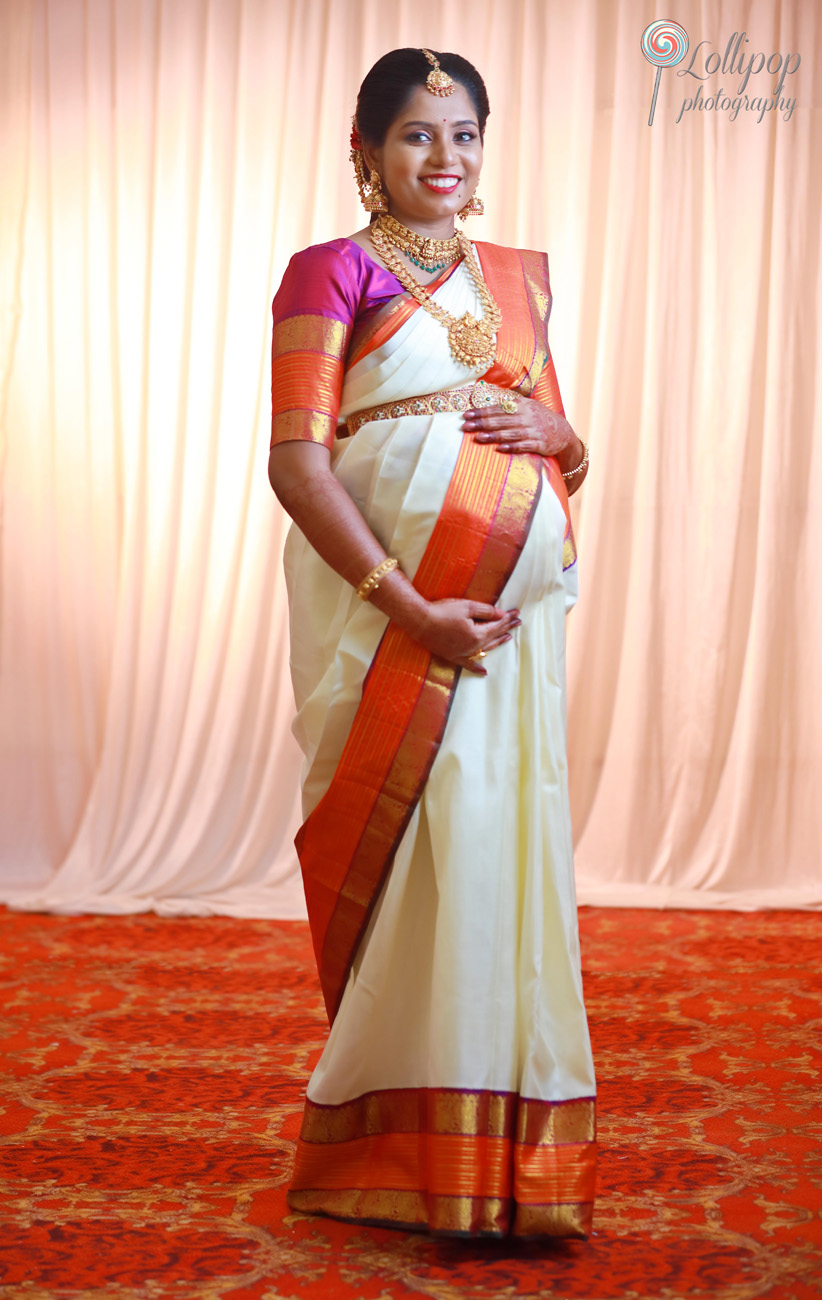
440,184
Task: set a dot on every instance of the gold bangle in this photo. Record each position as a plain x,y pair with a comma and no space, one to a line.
371,581
583,464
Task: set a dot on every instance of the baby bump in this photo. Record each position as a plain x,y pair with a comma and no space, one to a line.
399,477
539,572
398,472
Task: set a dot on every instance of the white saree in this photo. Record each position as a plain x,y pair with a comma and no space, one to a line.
467,980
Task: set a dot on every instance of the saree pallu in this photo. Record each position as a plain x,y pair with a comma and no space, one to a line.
456,1090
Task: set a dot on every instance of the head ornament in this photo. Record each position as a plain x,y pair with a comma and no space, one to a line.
437,81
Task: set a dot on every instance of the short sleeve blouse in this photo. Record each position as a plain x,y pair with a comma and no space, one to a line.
325,289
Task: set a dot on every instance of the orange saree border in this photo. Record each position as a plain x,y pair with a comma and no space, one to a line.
519,280
467,1111
347,844
451,1160
385,323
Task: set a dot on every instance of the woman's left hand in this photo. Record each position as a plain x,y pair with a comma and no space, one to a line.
531,428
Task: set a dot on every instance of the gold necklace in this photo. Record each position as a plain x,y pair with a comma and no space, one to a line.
427,254
471,341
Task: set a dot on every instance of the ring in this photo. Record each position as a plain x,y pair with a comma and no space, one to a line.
508,404
478,654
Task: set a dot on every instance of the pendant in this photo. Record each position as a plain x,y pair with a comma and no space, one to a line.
470,342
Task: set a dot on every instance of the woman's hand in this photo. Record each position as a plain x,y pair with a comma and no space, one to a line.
534,428
455,630
320,506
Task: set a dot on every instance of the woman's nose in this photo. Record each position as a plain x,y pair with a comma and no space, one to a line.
443,152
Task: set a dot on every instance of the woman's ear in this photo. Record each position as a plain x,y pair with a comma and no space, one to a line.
372,158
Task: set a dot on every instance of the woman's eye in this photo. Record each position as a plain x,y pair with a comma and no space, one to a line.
465,137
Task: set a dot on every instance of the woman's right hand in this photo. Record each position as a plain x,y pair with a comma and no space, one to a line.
455,630
320,506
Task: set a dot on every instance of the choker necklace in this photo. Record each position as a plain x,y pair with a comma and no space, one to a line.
471,341
427,254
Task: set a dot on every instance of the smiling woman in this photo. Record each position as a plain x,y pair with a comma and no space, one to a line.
426,160
420,446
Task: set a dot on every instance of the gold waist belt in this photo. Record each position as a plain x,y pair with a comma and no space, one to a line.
449,399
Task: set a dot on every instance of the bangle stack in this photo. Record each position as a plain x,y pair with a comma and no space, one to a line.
583,464
371,581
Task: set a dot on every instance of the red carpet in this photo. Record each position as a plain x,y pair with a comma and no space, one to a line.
153,1073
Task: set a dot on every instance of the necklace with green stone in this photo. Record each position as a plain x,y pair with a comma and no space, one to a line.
428,254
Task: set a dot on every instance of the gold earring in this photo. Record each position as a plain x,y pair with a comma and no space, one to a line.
370,187
360,175
376,200
473,208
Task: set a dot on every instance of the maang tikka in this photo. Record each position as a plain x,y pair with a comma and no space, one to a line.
438,82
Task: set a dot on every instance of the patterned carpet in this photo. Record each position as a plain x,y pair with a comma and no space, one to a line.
152,1081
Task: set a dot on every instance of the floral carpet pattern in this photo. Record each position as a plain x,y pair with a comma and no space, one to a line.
152,1081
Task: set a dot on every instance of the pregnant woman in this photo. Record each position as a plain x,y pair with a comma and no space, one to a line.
420,446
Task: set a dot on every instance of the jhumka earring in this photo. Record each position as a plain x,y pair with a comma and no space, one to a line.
473,208
376,201
370,187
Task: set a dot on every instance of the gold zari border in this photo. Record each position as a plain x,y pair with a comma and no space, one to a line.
447,1110
311,333
548,1123
303,426
572,1220
449,1215
451,1160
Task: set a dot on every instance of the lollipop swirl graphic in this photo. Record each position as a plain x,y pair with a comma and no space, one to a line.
664,44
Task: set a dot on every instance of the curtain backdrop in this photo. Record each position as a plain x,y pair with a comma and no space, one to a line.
161,160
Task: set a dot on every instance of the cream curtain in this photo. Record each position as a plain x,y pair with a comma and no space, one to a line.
161,160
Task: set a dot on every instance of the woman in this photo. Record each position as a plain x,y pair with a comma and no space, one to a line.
420,447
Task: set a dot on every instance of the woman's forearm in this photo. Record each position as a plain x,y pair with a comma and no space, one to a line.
572,456
321,508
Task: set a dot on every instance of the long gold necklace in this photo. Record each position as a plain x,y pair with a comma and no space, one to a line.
471,341
427,254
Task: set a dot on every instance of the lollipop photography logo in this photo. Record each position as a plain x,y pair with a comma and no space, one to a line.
665,44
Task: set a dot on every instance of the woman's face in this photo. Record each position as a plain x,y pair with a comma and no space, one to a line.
431,160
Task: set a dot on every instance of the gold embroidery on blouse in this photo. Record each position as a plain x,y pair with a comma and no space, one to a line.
302,426
311,333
